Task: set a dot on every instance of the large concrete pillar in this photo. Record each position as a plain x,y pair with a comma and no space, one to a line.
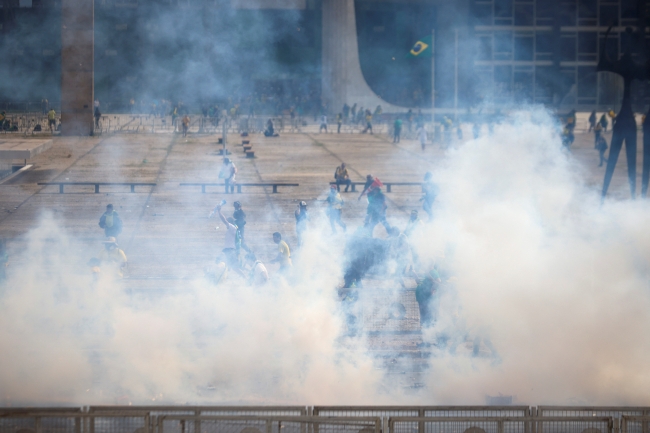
77,66
342,79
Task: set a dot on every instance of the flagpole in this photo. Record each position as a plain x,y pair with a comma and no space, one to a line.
433,77
456,75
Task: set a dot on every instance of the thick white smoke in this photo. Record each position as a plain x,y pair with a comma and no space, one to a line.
554,285
548,301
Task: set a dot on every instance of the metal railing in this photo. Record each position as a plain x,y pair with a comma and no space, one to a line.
384,412
634,424
266,424
68,421
325,419
501,424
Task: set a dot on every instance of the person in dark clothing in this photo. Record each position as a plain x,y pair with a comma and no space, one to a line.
301,221
98,115
366,186
270,130
376,211
592,121
601,145
240,221
426,289
111,223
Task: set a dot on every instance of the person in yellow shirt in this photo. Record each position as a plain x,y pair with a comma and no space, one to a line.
113,257
51,120
284,253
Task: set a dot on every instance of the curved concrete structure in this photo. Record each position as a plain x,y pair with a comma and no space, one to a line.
342,79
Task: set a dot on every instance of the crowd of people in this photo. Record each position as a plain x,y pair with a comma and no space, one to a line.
364,252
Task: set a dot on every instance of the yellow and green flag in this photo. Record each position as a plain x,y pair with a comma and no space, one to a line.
422,48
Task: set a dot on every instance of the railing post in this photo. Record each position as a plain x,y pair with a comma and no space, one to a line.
60,188
132,188
96,188
354,187
500,425
37,424
238,188
421,423
388,187
269,426
203,188
197,422
275,189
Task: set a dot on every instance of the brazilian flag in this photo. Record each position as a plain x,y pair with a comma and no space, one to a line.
422,48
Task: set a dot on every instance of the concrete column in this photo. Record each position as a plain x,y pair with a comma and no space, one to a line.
342,79
77,66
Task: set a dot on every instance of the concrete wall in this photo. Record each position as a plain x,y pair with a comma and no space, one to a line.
77,67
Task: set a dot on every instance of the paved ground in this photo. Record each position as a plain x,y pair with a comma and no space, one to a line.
167,235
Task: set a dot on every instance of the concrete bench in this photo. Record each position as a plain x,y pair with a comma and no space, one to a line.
96,184
239,185
388,185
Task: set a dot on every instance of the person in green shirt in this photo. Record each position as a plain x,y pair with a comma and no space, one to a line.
397,130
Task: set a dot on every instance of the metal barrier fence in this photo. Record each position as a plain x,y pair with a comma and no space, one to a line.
501,425
39,421
154,412
266,424
331,419
611,411
635,424
385,412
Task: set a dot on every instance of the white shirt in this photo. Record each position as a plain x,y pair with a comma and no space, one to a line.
422,134
259,274
228,171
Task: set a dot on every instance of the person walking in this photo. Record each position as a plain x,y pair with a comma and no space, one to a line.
228,173
422,136
111,222
592,121
366,186
334,209
97,114
368,122
601,146
232,242
186,124
342,177
323,124
284,253
302,216
397,130
51,120
604,122
376,211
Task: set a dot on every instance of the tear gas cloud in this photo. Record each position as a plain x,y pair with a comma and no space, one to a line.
547,301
